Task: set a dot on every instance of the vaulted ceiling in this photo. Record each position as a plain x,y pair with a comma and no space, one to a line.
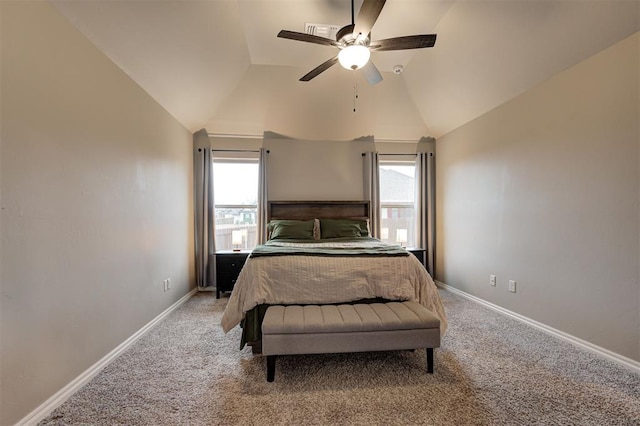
218,63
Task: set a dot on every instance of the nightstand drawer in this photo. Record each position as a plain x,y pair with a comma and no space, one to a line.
225,282
230,264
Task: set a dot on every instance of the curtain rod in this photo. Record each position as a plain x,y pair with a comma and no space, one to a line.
236,150
413,153
233,150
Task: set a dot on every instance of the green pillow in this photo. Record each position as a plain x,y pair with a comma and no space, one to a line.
291,229
341,228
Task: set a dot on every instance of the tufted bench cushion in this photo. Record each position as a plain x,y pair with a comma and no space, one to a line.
311,329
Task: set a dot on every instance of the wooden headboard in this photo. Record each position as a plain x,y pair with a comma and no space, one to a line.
305,210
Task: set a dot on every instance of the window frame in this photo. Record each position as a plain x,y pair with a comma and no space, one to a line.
409,205
235,159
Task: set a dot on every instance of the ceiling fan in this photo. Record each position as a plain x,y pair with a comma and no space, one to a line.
354,42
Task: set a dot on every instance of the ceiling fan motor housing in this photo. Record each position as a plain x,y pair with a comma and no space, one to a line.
346,37
343,32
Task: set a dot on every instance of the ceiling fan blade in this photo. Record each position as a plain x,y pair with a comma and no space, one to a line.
406,42
309,38
371,73
319,69
367,16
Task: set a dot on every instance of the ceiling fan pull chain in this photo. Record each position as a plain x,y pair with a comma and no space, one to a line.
355,93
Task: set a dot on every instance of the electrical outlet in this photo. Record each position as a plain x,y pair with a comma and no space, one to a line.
166,285
512,286
492,280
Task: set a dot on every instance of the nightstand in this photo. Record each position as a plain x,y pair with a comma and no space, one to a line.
419,253
228,266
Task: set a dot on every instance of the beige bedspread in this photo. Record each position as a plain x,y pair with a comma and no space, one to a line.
319,279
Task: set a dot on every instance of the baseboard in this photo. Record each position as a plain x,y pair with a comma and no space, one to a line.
600,351
63,394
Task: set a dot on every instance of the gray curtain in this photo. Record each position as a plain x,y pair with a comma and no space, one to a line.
262,197
425,208
204,218
372,189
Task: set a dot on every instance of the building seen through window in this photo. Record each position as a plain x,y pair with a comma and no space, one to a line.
235,194
397,202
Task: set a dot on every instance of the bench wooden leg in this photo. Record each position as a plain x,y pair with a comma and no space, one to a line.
271,367
430,360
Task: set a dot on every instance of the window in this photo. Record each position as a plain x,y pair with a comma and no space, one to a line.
235,195
397,202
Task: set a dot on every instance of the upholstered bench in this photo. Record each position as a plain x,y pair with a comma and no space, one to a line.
315,329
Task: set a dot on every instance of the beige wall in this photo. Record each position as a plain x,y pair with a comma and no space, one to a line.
271,98
96,207
544,190
317,170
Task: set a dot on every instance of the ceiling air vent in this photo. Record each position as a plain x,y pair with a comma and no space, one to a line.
322,30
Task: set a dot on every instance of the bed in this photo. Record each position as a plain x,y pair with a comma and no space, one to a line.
321,252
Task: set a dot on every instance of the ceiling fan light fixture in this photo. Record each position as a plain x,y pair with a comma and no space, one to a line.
354,57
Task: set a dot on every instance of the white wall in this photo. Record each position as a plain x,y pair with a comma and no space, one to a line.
96,206
544,190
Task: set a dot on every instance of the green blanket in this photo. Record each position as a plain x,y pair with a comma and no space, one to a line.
363,246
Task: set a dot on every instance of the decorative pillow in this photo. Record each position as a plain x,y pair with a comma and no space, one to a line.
340,228
291,229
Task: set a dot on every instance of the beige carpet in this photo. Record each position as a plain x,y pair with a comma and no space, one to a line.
491,370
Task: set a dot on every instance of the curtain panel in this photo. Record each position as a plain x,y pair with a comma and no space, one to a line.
425,207
372,189
262,197
204,218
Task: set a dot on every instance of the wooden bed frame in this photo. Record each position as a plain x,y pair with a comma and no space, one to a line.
306,210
